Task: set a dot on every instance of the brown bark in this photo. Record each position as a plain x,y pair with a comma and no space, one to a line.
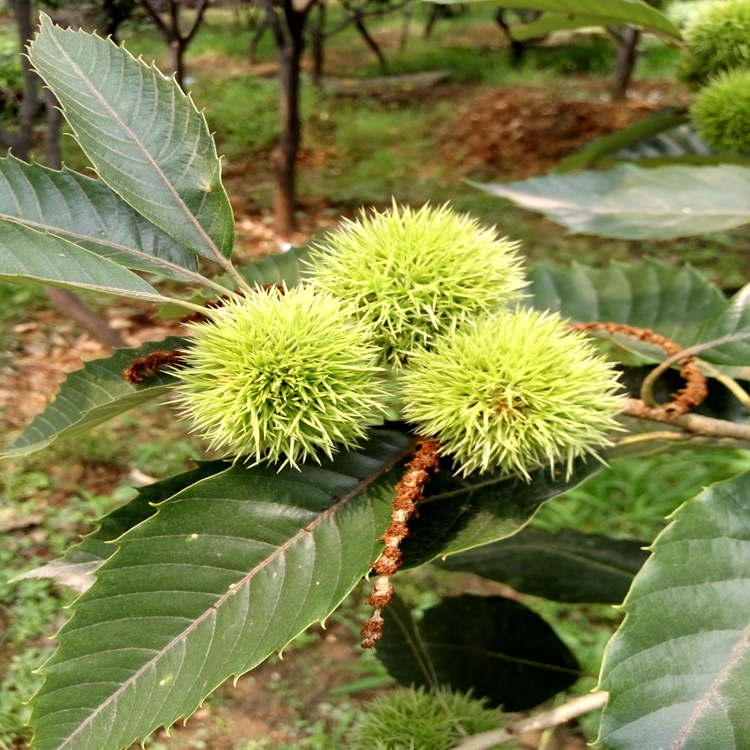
177,40
317,43
370,42
627,56
69,304
20,145
290,43
20,142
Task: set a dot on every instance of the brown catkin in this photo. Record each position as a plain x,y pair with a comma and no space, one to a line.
408,494
695,389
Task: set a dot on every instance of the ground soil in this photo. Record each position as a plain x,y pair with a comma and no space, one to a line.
520,131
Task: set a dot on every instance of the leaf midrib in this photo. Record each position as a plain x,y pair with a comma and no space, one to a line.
361,486
68,234
116,117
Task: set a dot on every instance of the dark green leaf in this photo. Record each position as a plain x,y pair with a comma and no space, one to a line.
278,268
632,203
144,136
675,302
31,257
77,566
228,571
627,12
566,567
94,394
678,670
89,214
495,647
461,513
628,136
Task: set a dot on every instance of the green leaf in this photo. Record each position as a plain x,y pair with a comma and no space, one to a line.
495,647
459,513
288,268
228,571
550,22
675,302
94,394
632,203
626,12
77,566
31,257
678,670
87,213
144,136
568,566
734,319
632,134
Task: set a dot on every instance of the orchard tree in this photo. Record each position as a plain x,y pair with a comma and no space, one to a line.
171,27
410,361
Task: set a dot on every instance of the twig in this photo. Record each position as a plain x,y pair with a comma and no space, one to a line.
656,373
553,718
686,398
729,383
694,423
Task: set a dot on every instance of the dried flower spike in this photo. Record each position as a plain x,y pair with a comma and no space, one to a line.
281,376
512,392
408,494
415,275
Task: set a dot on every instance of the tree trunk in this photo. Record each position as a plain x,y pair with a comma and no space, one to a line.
627,56
20,143
176,60
317,39
290,43
285,155
406,26
437,11
71,306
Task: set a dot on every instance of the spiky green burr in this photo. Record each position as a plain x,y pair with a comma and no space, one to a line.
282,377
513,392
721,111
416,275
718,39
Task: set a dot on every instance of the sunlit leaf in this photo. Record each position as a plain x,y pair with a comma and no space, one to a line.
678,670
632,203
228,571
31,257
89,214
143,135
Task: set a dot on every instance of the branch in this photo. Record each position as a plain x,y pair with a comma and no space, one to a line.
275,23
157,19
693,423
553,718
362,14
200,10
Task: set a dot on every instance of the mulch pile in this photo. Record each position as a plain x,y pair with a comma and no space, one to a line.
523,131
